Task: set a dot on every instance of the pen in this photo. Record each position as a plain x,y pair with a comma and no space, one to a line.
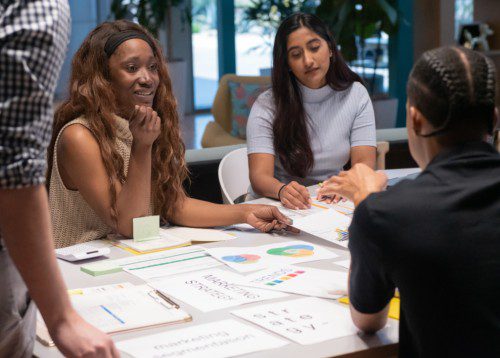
167,299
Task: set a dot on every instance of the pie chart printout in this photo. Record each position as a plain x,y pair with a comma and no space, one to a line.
292,251
242,258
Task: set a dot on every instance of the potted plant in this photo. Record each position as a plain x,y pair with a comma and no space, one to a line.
156,16
358,27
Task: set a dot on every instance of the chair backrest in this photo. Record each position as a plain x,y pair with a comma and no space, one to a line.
221,107
382,149
234,178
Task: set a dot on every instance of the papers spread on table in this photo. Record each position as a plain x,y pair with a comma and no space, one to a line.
127,309
329,225
344,207
154,265
163,242
344,263
169,237
300,280
122,307
210,290
197,235
305,321
170,263
227,338
247,259
301,213
42,333
326,221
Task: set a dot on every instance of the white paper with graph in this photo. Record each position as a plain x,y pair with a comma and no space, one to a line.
328,224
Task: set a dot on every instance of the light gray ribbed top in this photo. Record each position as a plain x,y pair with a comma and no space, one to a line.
338,120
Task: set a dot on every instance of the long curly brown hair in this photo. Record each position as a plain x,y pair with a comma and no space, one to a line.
90,96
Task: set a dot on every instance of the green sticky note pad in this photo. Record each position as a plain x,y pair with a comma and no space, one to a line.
146,228
100,268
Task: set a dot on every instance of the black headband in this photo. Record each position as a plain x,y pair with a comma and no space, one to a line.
118,38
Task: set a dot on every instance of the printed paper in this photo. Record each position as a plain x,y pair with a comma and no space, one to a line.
300,280
211,290
221,339
305,320
247,259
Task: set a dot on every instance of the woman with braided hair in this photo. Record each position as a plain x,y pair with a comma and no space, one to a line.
435,238
116,151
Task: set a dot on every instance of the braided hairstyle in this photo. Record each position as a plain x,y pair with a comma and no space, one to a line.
454,87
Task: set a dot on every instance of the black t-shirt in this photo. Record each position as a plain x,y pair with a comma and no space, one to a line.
436,238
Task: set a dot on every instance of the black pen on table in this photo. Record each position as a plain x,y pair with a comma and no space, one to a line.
167,299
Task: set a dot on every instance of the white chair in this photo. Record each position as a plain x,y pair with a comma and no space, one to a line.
233,176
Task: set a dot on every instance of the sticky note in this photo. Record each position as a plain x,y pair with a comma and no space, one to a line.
100,268
146,228
394,306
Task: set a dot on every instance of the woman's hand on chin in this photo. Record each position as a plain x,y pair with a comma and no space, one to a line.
145,126
266,218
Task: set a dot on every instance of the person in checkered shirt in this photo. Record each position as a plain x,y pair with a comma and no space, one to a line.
33,39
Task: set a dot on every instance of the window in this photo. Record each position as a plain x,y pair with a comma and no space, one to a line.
464,13
205,56
254,44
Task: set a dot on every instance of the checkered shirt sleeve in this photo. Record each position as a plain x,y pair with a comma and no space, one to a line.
33,39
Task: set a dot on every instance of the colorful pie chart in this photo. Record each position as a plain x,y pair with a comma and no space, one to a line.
292,251
242,258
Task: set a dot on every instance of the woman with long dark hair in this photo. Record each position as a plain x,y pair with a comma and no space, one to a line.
116,151
316,117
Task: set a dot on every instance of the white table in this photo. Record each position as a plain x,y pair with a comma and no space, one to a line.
383,343
396,173
385,339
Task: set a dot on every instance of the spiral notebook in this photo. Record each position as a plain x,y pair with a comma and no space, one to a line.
120,308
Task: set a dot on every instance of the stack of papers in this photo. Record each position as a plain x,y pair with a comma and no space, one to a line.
154,265
169,238
197,234
173,262
121,307
164,242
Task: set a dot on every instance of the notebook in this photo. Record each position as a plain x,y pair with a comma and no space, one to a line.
120,308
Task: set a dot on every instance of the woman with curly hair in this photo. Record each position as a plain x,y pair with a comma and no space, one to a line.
116,151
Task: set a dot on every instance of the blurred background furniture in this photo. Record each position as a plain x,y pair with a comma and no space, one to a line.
218,132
